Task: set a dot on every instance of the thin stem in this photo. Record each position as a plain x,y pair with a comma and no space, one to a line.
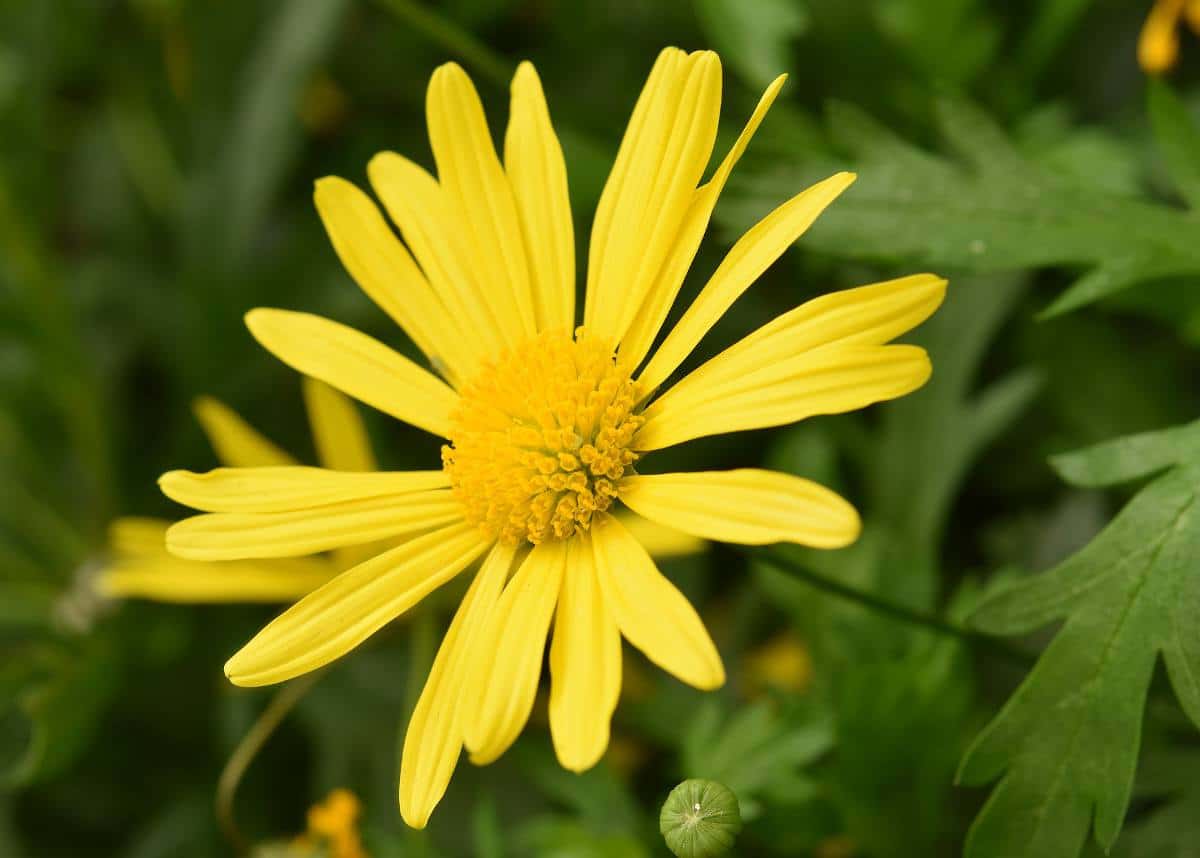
453,38
243,755
778,560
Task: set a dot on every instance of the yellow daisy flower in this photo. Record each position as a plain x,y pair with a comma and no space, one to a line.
546,425
141,567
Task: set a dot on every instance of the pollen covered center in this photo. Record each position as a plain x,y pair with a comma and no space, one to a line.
541,438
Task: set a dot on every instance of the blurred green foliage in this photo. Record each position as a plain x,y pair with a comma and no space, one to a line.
156,161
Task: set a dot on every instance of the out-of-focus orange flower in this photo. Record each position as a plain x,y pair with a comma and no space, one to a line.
333,824
1158,45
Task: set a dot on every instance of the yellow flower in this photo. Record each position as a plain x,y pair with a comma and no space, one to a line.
547,425
782,663
332,828
1158,45
141,567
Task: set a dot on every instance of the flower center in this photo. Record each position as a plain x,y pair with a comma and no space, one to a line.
541,438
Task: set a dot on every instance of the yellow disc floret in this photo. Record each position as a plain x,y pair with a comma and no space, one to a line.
542,437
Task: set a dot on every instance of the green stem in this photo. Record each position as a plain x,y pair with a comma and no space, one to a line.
243,755
453,38
776,559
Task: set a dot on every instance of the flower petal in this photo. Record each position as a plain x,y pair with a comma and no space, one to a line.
651,613
418,207
508,659
236,443
337,428
747,394
357,365
661,160
137,536
585,663
657,304
383,269
433,740
286,489
479,196
747,506
342,614
236,535
660,541
537,172
864,316
171,579
746,261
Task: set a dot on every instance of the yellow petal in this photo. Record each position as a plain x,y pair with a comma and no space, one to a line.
649,319
585,663
746,261
1158,43
342,614
537,172
171,579
383,269
662,158
663,76
433,740
236,443
337,428
864,316
289,488
479,196
651,613
419,209
236,535
660,541
508,659
747,506
826,381
134,536
357,365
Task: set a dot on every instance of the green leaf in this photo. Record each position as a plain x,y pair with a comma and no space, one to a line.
1179,138
989,208
1129,458
754,37
598,797
1065,745
756,750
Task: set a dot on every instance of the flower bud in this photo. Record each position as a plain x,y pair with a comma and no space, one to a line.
700,818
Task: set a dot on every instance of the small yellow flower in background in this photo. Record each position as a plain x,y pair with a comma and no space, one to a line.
334,822
141,567
332,830
1158,45
547,424
782,663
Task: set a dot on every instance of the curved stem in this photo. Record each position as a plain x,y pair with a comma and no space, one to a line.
774,558
243,755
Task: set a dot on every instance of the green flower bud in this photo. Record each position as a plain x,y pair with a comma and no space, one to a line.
699,819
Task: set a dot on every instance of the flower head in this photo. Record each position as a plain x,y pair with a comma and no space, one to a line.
547,425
